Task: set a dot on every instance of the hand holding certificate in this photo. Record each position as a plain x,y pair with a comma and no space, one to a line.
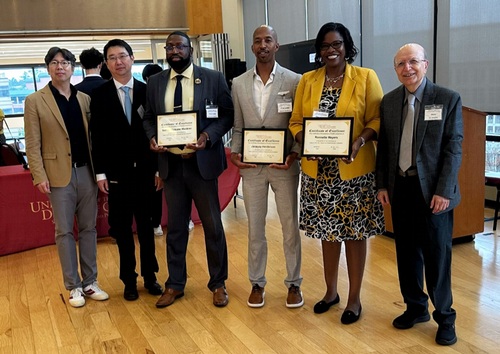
264,146
177,128
327,137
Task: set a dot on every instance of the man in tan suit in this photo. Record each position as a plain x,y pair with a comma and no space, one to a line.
58,150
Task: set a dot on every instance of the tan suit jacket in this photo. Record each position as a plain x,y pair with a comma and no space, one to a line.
47,141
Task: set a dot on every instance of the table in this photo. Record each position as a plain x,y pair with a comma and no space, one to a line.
26,215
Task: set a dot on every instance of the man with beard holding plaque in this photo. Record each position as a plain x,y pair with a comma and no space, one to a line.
190,173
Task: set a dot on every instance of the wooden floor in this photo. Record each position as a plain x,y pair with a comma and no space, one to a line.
36,318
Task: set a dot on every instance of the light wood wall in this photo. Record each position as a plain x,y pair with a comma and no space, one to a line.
204,16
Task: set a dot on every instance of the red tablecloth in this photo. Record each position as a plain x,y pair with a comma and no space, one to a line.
26,215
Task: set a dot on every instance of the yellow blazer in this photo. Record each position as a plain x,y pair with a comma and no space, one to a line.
47,140
360,98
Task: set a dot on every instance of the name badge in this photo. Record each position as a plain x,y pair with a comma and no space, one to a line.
320,114
433,112
212,111
285,107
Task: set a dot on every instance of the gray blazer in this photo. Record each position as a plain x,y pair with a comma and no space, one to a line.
210,86
247,116
439,143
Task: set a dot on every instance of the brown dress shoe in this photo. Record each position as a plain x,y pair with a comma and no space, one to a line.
256,298
220,297
294,298
168,297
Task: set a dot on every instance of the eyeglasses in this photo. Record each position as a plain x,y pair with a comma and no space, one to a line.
170,48
121,57
413,63
335,45
64,63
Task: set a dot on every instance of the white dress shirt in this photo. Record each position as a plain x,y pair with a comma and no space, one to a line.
261,91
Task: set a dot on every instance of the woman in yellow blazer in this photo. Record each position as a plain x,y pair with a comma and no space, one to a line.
338,201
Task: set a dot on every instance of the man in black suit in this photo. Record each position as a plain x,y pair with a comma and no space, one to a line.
418,158
191,172
124,165
91,60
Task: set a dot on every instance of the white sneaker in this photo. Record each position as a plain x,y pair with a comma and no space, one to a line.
191,225
94,292
76,298
158,231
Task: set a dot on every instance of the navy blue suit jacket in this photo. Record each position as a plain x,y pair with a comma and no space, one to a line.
209,85
89,83
118,146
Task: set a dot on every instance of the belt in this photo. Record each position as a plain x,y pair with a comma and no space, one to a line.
79,164
187,156
408,173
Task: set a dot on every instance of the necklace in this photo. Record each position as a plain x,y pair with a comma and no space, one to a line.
333,80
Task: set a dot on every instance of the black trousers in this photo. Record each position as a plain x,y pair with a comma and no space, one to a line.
184,185
129,199
157,208
423,244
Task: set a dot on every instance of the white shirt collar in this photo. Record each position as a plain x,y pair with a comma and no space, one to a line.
273,72
129,84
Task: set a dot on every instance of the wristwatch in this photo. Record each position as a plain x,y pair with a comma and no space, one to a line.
362,141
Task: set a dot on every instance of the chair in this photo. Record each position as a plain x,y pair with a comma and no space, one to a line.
10,156
494,182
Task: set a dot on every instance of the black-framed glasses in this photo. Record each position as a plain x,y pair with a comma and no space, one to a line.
335,45
64,63
170,48
413,63
121,57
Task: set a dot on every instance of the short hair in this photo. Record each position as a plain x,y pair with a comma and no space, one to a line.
105,73
182,34
67,55
117,43
350,49
150,70
91,58
271,29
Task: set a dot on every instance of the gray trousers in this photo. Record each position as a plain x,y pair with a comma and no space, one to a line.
255,196
78,197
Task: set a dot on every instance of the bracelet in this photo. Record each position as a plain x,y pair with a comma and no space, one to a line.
362,141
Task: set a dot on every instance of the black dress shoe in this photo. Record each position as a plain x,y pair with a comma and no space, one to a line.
408,319
323,306
130,293
349,317
153,287
446,334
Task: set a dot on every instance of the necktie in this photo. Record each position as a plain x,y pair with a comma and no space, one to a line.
128,104
405,151
178,94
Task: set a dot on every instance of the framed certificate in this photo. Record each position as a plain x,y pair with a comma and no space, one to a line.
327,137
264,146
177,128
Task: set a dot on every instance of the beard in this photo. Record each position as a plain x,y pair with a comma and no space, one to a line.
179,65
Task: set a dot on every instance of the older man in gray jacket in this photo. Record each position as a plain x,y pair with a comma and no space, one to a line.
419,155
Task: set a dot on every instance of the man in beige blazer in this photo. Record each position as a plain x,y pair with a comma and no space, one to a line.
58,150
263,98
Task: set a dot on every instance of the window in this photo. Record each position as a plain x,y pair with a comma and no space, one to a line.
18,82
492,163
15,85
